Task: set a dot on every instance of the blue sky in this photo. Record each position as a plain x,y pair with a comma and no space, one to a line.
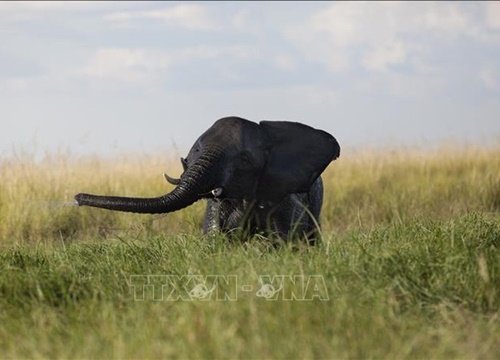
143,77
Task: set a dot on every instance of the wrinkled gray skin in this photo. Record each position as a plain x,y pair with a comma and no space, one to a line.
261,178
288,217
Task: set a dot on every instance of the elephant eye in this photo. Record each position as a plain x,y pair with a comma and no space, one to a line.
245,160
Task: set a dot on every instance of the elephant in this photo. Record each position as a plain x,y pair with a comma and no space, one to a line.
261,178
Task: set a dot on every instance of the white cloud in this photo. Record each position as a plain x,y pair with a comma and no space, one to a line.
382,57
345,22
17,11
48,5
317,95
151,66
15,85
412,87
490,79
126,65
378,35
450,18
188,16
285,61
248,22
339,34
493,15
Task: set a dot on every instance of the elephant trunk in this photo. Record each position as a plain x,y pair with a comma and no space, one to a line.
194,184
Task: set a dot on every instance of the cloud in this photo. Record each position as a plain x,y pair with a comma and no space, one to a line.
408,86
493,15
48,6
382,57
377,36
448,18
152,66
315,95
21,11
187,16
284,61
126,65
344,33
489,78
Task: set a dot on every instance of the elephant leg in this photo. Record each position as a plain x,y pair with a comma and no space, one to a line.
299,214
315,201
212,221
284,219
315,198
226,215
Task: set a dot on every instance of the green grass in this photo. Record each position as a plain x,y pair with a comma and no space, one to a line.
409,258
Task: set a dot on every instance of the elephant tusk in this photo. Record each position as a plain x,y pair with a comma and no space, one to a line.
217,192
171,180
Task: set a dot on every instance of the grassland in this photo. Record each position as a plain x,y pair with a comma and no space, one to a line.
409,265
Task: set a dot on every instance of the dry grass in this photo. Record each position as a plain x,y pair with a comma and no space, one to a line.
362,190
367,189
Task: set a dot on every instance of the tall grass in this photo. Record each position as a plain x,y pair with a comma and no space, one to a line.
410,262
36,197
362,190
373,188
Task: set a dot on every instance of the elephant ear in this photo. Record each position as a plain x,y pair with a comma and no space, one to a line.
297,155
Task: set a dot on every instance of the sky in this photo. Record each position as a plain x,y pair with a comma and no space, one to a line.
101,78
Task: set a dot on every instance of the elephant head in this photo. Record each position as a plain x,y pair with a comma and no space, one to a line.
239,159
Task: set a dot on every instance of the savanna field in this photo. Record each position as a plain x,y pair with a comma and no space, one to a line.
408,265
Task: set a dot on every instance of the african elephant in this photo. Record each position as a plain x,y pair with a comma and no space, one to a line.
262,178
